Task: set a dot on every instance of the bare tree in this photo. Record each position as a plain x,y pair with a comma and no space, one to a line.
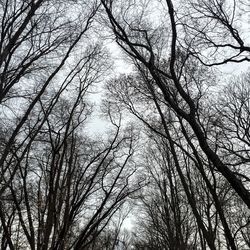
171,93
59,187
170,81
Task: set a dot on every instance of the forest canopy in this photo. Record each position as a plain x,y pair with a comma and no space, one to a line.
176,151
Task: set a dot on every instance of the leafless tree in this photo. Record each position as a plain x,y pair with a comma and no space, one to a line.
59,187
171,93
175,87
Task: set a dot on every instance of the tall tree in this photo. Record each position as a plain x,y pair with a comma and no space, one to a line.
172,92
59,187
